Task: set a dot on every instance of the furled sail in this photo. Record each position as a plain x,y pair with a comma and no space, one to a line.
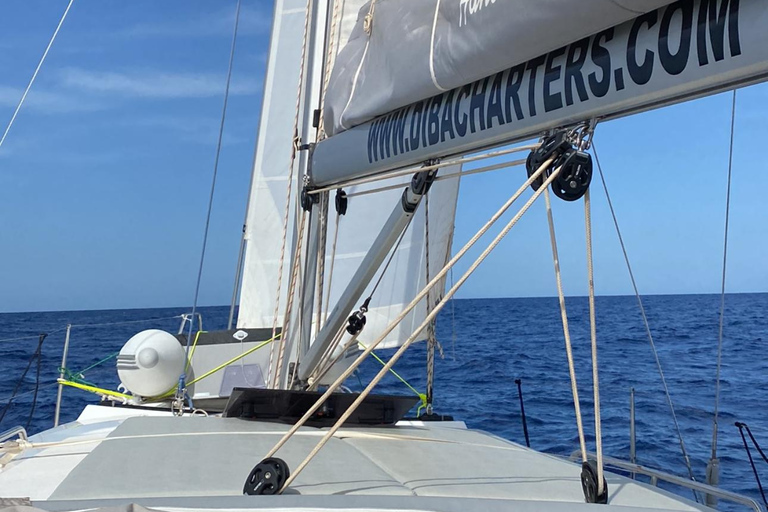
406,274
266,204
401,51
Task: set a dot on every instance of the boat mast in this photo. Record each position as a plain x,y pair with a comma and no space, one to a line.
307,135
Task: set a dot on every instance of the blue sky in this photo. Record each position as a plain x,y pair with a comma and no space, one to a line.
104,177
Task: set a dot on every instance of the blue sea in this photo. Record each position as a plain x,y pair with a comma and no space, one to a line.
487,344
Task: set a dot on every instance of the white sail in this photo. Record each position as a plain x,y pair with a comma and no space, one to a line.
406,275
416,49
266,204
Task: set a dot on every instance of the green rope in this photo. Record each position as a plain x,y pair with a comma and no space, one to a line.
79,377
421,396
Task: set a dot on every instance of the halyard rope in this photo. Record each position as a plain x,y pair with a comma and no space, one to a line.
593,336
566,330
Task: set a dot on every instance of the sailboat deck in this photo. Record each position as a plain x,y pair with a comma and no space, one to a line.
159,460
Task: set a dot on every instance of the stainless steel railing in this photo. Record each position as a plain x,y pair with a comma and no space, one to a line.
655,475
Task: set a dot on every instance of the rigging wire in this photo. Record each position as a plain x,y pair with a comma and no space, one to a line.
37,354
722,286
421,168
683,450
34,75
213,180
741,426
453,176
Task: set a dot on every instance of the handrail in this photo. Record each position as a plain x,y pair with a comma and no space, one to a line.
657,475
20,431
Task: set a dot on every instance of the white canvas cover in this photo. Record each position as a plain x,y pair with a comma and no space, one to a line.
406,275
419,48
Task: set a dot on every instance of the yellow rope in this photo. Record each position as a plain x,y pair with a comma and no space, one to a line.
422,396
94,389
192,352
107,392
234,359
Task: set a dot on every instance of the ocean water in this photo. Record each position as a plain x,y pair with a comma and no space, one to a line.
487,344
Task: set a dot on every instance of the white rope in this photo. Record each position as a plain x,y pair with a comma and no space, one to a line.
645,318
431,327
333,264
320,275
412,170
329,61
593,336
566,329
419,297
722,286
295,276
431,316
289,187
454,176
34,75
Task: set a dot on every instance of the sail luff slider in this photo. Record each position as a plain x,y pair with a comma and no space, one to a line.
678,52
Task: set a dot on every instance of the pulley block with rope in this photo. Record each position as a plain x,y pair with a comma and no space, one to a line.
589,484
267,477
574,178
308,199
356,321
576,166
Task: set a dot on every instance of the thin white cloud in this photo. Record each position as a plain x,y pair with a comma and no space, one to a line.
197,130
253,20
154,84
47,101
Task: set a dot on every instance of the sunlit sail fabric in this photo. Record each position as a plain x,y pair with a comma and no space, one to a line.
266,204
407,273
417,49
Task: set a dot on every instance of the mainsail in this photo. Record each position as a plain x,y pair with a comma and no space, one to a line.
401,51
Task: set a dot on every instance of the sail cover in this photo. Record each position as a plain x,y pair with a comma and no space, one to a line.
416,49
406,274
266,204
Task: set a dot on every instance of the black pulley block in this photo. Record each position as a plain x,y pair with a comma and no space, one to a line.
552,146
267,478
355,323
589,484
575,175
307,199
342,201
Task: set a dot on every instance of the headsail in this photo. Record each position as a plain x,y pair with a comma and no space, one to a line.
266,204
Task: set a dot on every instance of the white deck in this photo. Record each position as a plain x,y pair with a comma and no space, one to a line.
115,456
